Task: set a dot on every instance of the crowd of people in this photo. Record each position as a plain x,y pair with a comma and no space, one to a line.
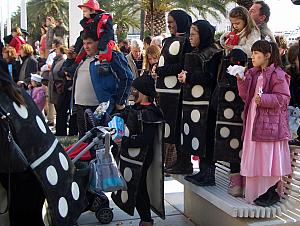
181,81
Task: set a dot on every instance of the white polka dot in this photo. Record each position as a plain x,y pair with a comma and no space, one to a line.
170,81
75,191
124,196
228,113
229,96
195,115
174,48
161,61
52,175
197,91
240,153
181,139
63,207
234,143
41,124
126,133
224,132
127,174
242,115
21,110
186,129
167,130
195,143
133,152
63,161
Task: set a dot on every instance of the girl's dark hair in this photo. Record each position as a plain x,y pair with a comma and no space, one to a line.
12,92
265,47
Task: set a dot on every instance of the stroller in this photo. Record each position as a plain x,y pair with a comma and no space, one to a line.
81,154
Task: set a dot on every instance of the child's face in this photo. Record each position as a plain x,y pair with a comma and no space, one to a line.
194,36
87,12
33,83
152,59
237,24
259,59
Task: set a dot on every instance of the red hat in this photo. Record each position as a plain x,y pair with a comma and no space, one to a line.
91,4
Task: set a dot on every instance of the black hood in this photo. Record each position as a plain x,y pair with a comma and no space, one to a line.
206,33
183,20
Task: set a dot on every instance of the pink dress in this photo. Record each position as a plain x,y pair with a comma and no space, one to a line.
263,163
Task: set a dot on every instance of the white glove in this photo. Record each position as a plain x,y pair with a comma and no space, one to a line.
236,70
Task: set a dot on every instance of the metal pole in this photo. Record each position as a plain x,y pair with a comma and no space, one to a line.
8,24
2,22
23,15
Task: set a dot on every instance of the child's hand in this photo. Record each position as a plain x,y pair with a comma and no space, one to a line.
182,76
258,100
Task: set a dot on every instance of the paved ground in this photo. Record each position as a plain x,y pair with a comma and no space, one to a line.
173,204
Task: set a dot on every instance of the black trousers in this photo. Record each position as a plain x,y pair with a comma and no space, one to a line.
26,199
62,112
80,109
142,199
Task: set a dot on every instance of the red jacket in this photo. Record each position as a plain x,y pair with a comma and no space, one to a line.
16,42
271,119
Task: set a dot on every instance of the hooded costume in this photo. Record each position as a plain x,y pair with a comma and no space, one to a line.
202,66
170,65
47,160
141,156
229,107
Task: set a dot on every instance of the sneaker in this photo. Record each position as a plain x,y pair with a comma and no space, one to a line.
193,177
267,199
206,178
235,187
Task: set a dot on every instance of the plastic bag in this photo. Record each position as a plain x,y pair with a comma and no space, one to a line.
117,123
105,174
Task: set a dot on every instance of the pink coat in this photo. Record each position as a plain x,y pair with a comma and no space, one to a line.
38,95
271,119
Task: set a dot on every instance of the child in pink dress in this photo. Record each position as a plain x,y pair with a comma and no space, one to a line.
266,154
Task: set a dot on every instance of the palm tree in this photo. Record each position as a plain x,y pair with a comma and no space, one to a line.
38,10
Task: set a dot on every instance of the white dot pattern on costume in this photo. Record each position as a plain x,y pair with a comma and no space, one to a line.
234,143
228,113
51,174
224,132
63,161
41,124
126,133
195,116
229,96
186,129
75,191
242,115
161,61
197,91
167,130
127,174
21,110
124,196
63,207
174,48
195,143
170,81
181,139
134,152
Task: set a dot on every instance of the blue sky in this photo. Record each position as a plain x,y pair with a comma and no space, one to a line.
284,15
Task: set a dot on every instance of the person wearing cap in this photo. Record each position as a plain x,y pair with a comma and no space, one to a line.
99,22
144,121
37,91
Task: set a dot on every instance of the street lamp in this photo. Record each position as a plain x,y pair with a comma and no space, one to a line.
23,14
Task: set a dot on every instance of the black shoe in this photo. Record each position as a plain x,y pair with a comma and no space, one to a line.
206,178
295,142
180,169
267,199
194,177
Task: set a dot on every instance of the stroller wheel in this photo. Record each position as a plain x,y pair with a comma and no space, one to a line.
104,215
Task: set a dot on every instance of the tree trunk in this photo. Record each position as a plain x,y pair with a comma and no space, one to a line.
158,25
142,25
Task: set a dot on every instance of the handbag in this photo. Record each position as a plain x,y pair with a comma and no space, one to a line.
106,176
59,87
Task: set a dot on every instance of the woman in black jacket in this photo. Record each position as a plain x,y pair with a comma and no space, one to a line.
29,65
